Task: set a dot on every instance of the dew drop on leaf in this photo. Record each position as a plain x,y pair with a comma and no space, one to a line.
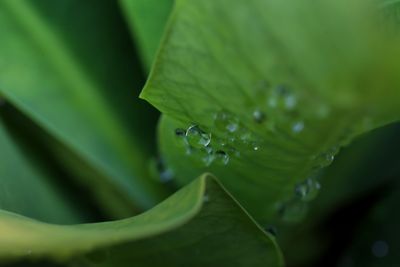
226,121
293,211
160,171
206,198
272,101
258,116
245,137
281,90
380,249
222,157
234,152
208,149
209,156
197,138
326,158
298,127
282,97
308,190
208,159
272,230
180,132
166,175
290,102
232,127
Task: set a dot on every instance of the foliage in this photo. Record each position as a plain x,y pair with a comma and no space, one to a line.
263,94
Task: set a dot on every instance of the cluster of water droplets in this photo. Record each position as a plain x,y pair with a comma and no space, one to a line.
282,103
275,109
282,96
199,142
230,139
295,209
234,133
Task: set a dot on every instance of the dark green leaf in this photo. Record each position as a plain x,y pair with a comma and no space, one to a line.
28,188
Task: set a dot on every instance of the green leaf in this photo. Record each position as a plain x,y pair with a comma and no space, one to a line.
25,180
360,175
279,86
62,75
147,19
201,221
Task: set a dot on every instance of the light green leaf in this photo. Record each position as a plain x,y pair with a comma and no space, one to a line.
201,221
147,19
279,86
71,90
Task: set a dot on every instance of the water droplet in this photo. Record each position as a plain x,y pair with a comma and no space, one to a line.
298,127
272,230
160,171
209,157
226,121
189,150
233,151
208,149
206,198
246,137
326,158
282,90
380,249
222,157
166,175
293,211
256,148
258,116
232,127
180,132
197,138
308,190
290,102
282,97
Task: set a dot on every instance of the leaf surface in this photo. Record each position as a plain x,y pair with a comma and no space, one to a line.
147,19
25,181
278,86
64,77
201,222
